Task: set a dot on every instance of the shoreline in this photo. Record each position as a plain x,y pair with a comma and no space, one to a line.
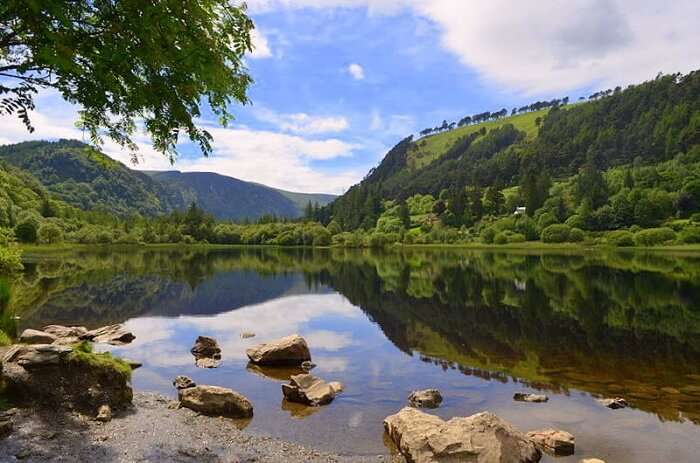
153,430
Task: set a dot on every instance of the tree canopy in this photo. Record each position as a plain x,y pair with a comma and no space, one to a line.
127,62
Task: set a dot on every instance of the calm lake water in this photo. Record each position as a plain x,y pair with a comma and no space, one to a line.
477,325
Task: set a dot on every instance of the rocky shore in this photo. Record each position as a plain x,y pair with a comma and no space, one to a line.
152,430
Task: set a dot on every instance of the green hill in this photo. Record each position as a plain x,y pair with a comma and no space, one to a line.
624,159
87,179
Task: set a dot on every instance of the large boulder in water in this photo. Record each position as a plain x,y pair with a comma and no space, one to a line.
480,438
215,400
308,389
290,350
57,376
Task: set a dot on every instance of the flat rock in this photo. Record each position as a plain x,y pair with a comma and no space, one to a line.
290,350
591,460
308,389
526,397
215,400
115,335
426,398
553,441
35,355
30,336
65,334
614,403
480,438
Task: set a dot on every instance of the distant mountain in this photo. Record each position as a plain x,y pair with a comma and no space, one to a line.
230,198
90,180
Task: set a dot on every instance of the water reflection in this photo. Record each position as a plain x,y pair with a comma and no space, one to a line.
478,325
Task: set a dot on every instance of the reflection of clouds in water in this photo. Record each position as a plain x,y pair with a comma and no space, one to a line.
332,364
163,338
328,340
355,420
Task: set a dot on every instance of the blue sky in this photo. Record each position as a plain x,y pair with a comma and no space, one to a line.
338,82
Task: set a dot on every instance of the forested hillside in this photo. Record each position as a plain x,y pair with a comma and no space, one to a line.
90,180
623,160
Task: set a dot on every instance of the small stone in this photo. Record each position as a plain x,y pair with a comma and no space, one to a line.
553,441
207,362
426,398
183,382
614,403
591,460
309,390
247,334
526,397
205,346
308,365
104,414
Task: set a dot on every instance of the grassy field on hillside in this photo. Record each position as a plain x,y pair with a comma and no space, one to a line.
430,148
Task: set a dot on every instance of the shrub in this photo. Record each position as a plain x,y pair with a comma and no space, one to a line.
321,237
500,238
515,238
621,238
654,236
576,221
10,260
26,232
557,233
545,220
576,235
689,235
50,233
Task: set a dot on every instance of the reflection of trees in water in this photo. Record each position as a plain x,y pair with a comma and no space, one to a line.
576,323
608,323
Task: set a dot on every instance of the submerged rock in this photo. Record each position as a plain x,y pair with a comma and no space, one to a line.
215,400
427,398
30,336
480,438
115,335
207,352
52,375
526,397
104,414
290,350
553,441
614,403
308,389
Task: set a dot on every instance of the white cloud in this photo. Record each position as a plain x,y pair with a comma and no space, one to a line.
303,123
261,47
276,159
356,71
552,45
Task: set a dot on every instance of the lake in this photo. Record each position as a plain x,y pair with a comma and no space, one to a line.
477,325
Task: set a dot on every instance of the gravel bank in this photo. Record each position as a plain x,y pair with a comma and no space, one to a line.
152,431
